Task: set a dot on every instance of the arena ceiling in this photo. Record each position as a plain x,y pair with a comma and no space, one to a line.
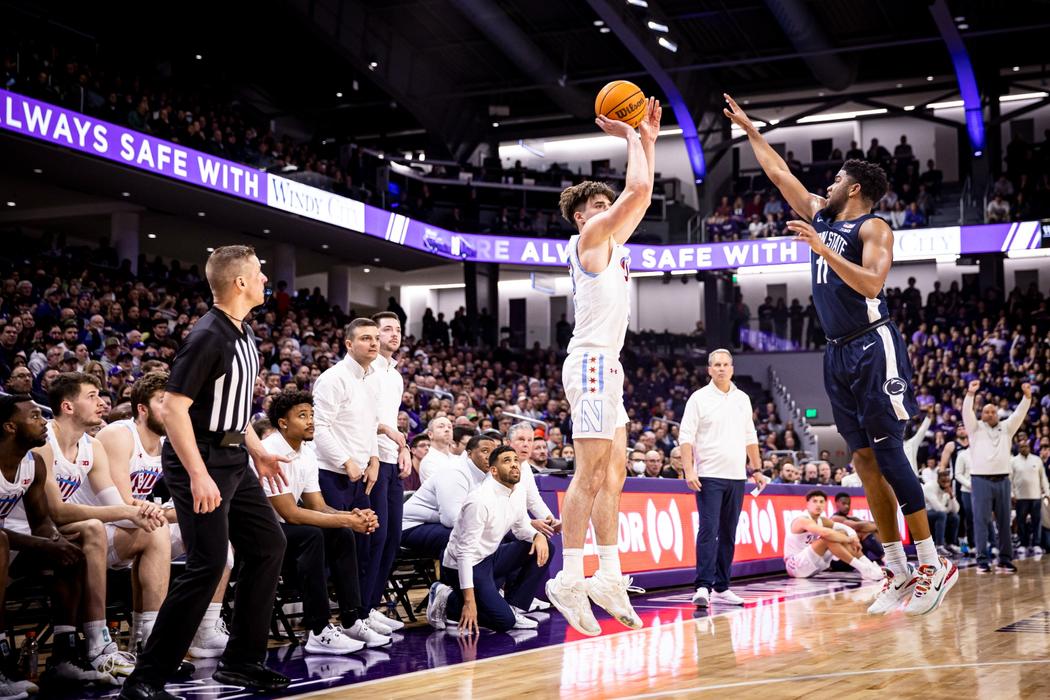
439,74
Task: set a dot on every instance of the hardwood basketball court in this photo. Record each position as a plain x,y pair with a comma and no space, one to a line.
990,639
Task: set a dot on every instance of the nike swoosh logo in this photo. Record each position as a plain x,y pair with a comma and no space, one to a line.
867,346
881,438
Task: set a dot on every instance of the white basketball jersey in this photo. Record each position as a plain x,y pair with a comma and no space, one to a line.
72,477
601,300
145,468
11,492
793,544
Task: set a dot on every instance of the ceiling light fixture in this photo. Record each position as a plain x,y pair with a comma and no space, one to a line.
667,44
929,78
38,171
372,65
657,27
125,194
367,270
638,3
10,204
200,213
598,23
151,235
1016,68
210,250
838,116
324,246
604,30
199,57
266,230
338,94
495,125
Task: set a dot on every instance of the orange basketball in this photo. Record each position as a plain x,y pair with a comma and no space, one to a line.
621,100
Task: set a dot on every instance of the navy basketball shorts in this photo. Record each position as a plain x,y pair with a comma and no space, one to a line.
868,381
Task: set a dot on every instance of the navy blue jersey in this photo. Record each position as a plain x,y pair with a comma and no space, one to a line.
840,308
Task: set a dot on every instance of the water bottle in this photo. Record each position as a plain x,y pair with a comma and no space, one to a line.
30,659
114,633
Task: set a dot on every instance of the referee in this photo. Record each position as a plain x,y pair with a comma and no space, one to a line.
217,498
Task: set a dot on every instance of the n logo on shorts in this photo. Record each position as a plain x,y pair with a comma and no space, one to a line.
591,416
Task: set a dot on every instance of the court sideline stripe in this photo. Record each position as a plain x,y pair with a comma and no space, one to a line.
838,674
473,664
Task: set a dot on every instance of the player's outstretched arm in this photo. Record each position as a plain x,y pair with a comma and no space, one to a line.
620,219
803,202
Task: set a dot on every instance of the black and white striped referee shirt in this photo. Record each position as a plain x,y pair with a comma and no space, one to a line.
216,367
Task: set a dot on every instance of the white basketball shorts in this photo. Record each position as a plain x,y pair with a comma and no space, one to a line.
808,563
593,383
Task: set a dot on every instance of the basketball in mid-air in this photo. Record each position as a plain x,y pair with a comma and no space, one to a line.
621,100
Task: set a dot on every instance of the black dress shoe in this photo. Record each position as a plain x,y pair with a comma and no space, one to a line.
144,691
253,676
185,670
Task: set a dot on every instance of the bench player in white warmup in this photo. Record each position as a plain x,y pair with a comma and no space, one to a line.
815,539
599,265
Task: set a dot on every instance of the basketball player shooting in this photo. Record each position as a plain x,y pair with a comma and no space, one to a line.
599,265
867,373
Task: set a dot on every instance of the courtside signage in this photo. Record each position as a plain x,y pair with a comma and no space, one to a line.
658,530
66,128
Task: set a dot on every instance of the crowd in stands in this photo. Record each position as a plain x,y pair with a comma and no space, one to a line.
756,209
1022,191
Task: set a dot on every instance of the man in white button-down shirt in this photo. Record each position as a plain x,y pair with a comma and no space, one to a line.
432,510
717,438
376,557
527,494
477,556
346,427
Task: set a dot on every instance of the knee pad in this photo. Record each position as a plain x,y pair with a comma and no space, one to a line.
889,453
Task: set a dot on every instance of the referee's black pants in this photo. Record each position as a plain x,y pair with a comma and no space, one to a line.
244,519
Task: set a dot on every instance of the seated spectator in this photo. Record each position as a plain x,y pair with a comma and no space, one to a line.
789,474
810,475
932,178
676,470
774,206
461,435
636,463
439,455
942,508
998,210
897,216
320,539
855,152
654,464
902,151
814,540
477,556
913,216
867,531
877,153
823,473
1003,187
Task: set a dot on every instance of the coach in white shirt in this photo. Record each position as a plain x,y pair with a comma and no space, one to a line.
942,509
717,438
1029,486
476,557
432,510
439,456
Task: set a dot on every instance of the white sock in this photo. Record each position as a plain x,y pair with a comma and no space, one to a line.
896,559
211,617
136,630
97,637
609,561
572,564
927,552
860,563
146,622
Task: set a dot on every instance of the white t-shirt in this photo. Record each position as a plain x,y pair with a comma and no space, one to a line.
300,472
144,468
11,492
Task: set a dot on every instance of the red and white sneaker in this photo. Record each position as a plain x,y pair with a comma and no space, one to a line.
931,584
895,590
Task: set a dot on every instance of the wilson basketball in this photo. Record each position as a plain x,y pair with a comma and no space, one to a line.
621,100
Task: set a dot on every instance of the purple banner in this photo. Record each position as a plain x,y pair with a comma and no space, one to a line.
63,127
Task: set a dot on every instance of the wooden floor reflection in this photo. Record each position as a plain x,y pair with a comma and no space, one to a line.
990,639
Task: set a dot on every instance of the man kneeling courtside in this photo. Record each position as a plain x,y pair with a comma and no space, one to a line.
476,556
